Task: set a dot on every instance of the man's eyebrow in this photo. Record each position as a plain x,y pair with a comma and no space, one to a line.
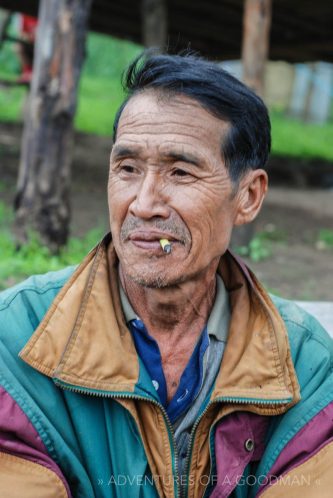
121,151
183,157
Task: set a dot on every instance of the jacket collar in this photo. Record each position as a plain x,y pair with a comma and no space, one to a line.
83,339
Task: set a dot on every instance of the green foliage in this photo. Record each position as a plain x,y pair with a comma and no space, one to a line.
12,98
325,239
260,247
98,104
272,233
32,258
257,250
9,61
6,216
295,138
11,101
101,90
107,57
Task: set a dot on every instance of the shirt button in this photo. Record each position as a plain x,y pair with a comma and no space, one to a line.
183,396
249,445
155,384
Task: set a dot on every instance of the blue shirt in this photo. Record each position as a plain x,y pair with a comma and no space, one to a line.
191,379
197,368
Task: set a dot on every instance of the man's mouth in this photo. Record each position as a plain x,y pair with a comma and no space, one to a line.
149,240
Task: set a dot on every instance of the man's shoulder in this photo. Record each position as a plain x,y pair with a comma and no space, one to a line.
23,306
36,285
309,341
299,321
305,428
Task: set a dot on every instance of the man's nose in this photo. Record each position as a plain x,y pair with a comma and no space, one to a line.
150,201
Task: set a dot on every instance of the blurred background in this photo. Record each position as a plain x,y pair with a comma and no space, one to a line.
60,86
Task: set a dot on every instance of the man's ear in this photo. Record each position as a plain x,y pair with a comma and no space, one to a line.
251,192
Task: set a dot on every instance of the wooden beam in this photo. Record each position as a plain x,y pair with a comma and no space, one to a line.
205,30
304,52
154,23
29,7
256,24
255,43
42,200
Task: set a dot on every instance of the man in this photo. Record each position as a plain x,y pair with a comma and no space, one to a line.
160,366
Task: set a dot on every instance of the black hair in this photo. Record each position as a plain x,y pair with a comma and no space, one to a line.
248,141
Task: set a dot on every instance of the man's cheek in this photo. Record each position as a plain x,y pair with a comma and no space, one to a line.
117,209
114,226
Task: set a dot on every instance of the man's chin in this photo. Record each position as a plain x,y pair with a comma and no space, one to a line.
154,280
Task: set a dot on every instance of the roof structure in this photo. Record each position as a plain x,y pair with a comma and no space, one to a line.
302,30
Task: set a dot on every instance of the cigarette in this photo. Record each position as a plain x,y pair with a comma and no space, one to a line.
166,245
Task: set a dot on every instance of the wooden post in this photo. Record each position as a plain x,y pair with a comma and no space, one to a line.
255,48
154,23
42,200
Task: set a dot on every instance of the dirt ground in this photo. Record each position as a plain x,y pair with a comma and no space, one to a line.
298,267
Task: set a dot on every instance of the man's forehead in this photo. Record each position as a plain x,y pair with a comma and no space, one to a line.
179,121
177,108
156,99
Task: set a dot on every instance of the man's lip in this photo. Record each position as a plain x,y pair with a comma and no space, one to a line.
151,236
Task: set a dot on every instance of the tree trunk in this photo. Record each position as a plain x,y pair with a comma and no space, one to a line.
154,23
256,27
255,48
42,199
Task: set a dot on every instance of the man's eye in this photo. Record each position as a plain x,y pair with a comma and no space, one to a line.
127,168
180,172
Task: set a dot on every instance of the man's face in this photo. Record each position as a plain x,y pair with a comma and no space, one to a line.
168,180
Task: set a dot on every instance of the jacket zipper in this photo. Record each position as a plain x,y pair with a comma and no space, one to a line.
99,394
225,399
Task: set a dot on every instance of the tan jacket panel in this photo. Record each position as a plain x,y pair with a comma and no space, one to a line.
312,479
21,478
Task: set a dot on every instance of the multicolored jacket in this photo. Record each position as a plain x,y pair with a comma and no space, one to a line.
79,416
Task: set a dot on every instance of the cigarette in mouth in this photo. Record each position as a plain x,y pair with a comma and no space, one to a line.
166,245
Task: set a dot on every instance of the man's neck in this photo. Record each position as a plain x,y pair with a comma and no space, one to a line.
172,312
175,317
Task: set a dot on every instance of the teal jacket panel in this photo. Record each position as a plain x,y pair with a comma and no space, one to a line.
93,440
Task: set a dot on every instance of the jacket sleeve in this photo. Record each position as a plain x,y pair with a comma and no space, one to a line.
300,445
310,479
26,469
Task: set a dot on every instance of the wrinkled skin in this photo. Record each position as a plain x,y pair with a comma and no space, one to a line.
168,180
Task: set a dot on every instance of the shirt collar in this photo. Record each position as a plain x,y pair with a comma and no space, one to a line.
219,318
